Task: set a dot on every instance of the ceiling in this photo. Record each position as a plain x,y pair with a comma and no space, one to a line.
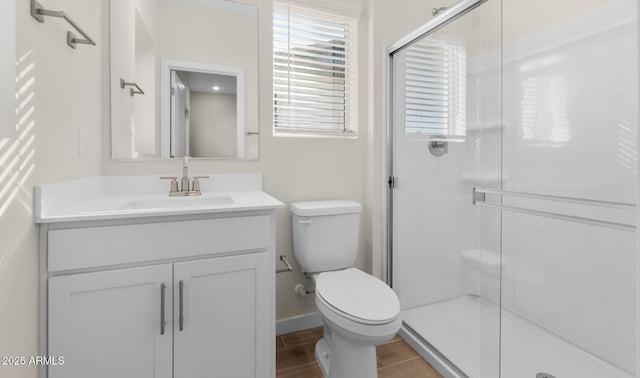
203,82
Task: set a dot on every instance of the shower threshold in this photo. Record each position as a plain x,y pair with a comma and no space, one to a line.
466,331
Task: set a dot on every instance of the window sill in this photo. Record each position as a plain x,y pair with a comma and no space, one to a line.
315,134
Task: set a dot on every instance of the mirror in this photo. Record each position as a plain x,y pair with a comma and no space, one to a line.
8,70
167,56
202,111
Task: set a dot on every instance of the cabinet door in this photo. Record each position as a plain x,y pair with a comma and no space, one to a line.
227,317
107,324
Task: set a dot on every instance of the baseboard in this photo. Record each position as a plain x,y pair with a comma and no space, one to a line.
298,323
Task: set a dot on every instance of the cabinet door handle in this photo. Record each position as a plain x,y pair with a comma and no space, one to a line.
181,300
163,289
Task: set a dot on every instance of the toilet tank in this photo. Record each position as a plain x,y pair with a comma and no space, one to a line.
325,234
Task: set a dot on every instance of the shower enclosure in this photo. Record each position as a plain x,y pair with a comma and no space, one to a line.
513,162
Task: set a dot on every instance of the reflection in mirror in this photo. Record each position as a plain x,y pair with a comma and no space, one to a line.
204,40
8,69
204,113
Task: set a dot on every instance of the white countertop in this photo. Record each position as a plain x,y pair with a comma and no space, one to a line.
123,197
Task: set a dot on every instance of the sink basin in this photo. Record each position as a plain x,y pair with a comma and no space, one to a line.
179,202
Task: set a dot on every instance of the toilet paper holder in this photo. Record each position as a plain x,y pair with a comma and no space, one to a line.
288,267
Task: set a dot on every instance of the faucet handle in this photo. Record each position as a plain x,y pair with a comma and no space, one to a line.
196,183
174,183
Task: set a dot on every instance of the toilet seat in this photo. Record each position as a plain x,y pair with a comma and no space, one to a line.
357,296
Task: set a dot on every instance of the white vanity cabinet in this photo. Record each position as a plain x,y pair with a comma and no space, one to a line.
183,297
107,324
223,306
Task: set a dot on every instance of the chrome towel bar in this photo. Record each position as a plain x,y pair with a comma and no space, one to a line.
479,197
550,197
132,92
38,12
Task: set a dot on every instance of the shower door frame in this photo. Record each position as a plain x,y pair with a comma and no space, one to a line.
424,348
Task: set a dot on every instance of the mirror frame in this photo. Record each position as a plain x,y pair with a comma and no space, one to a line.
167,65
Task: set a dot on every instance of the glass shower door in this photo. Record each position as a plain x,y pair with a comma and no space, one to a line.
514,158
447,136
571,110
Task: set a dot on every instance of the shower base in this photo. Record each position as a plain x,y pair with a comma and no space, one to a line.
466,331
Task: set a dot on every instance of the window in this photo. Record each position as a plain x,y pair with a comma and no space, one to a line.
435,94
314,71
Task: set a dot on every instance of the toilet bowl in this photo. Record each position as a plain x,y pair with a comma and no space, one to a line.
358,310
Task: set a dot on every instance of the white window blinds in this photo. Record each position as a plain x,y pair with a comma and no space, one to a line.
314,70
435,89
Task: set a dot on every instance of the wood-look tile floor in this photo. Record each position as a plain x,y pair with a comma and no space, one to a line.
295,358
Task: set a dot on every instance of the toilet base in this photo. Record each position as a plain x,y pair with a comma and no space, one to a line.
322,356
344,359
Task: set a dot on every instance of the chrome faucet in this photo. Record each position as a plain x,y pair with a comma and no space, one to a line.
184,185
185,188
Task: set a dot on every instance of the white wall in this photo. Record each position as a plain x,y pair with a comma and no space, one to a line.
212,125
62,88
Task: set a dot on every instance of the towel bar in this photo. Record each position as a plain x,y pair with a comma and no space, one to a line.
479,196
38,12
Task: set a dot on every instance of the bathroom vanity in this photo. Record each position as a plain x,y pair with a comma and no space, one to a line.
144,285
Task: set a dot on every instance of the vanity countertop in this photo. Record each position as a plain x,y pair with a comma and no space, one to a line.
123,197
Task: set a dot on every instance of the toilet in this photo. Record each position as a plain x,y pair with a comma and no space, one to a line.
358,310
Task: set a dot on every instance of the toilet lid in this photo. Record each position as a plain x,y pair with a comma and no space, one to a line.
358,295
